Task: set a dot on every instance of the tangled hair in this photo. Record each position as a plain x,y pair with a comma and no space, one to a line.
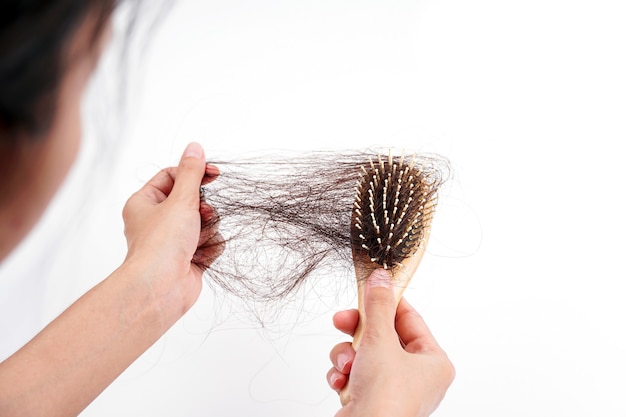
284,217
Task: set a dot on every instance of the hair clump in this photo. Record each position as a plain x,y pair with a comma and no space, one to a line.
285,217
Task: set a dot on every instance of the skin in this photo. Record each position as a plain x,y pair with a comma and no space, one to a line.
72,360
399,369
80,353
45,163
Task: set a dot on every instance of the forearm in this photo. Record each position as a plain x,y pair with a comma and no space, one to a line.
80,353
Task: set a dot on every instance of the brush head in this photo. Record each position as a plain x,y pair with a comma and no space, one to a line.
393,208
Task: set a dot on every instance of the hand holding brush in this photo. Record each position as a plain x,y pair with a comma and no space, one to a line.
391,220
399,369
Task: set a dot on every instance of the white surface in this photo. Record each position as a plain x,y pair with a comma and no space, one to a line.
522,283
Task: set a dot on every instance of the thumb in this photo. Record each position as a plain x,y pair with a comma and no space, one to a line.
380,305
189,173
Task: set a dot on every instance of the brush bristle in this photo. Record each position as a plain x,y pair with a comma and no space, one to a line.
394,204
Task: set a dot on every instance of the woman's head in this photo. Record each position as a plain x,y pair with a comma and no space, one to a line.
35,36
48,49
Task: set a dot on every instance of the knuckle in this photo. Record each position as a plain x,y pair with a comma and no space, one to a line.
381,298
378,334
449,371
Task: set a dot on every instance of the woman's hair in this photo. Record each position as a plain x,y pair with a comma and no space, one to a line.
34,35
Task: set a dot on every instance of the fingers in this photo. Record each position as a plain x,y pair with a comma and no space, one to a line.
412,329
346,321
190,173
194,170
380,306
341,356
336,380
209,251
211,172
159,186
210,243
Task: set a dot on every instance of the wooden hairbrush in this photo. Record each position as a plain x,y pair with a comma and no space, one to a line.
393,208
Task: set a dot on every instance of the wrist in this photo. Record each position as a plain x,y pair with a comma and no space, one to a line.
157,303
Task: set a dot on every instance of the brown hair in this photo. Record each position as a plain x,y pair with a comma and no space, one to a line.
285,217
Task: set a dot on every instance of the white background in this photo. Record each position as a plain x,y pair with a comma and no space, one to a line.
523,280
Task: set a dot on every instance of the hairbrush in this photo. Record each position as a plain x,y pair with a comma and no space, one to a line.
390,225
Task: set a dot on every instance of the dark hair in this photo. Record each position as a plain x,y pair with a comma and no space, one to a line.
286,220
33,38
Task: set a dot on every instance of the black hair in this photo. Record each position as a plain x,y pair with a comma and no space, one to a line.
285,219
33,39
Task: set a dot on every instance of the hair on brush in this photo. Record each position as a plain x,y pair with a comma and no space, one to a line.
394,204
287,217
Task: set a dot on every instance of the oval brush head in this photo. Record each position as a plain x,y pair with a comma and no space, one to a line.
393,208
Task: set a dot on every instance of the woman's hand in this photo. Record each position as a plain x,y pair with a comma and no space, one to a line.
172,235
399,369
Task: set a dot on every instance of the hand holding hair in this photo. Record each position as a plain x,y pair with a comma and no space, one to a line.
80,353
399,369
167,228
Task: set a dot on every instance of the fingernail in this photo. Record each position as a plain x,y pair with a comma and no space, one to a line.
342,361
333,379
380,278
193,150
